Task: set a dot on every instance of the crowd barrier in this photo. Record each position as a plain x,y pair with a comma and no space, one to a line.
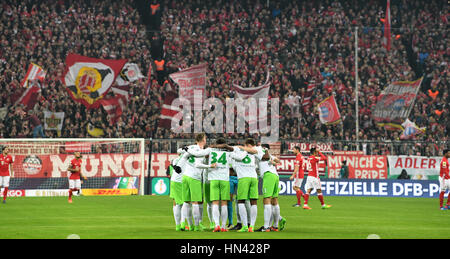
284,146
371,188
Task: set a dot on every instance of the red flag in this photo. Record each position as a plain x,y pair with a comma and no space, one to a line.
29,96
149,80
387,27
328,111
168,112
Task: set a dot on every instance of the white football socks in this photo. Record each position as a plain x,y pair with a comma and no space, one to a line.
177,214
267,215
224,215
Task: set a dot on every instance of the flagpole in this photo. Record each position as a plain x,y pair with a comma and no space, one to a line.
356,88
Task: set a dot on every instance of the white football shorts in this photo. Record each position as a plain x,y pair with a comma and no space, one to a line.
312,183
75,184
4,181
444,184
298,182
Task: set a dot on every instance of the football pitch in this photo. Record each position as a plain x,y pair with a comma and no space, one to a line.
151,217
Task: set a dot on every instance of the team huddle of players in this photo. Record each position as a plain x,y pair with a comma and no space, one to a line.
201,175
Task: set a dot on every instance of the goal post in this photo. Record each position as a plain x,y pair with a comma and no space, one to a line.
112,166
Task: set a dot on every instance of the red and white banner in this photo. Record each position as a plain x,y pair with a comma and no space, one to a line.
360,167
34,72
324,147
328,111
190,80
307,103
160,162
114,107
45,165
94,165
168,111
88,80
256,93
418,167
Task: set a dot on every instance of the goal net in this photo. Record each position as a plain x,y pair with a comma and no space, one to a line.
112,166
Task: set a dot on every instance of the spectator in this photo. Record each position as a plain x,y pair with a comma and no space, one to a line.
404,175
36,125
343,172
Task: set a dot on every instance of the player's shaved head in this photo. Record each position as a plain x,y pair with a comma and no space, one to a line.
220,141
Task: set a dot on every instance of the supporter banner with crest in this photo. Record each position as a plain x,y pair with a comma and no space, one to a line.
130,73
395,104
53,120
328,111
88,80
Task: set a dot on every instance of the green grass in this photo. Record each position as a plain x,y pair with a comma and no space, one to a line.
150,217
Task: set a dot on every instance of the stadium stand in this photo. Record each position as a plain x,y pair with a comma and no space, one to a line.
303,43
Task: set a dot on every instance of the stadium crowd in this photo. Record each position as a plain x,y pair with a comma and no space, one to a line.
302,43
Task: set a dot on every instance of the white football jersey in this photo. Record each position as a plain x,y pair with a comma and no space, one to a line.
245,167
222,159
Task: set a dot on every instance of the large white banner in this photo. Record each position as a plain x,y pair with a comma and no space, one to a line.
191,80
418,167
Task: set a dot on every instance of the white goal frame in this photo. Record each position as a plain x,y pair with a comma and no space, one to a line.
116,140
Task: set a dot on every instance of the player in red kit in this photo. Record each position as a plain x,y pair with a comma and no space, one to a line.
6,171
298,176
75,175
444,180
313,180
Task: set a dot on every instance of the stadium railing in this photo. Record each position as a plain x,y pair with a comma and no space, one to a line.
367,147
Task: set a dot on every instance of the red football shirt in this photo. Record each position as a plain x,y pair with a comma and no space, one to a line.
444,173
314,163
5,161
299,161
76,164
